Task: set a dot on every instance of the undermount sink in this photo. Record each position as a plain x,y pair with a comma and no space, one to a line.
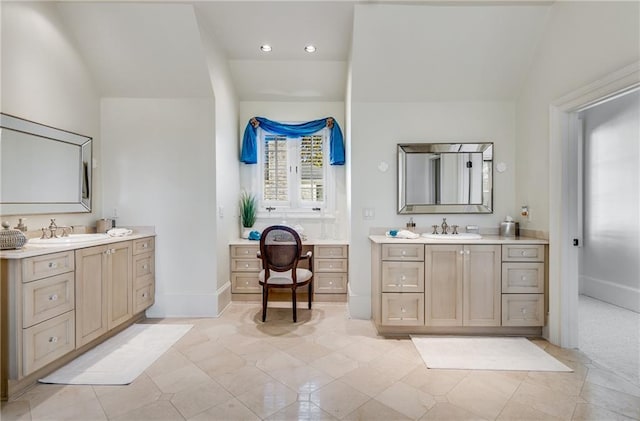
459,236
71,239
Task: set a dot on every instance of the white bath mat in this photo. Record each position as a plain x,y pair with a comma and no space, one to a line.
485,353
122,358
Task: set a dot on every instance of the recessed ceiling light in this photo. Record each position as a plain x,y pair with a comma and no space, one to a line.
265,47
310,48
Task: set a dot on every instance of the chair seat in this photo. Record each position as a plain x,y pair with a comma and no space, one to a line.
284,278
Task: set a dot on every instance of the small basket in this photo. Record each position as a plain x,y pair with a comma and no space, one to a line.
11,238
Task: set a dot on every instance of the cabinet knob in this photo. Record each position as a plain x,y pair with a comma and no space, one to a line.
523,310
144,245
402,278
402,310
53,297
53,339
246,252
461,252
468,252
246,282
53,265
246,265
144,295
403,252
144,266
523,253
524,278
330,282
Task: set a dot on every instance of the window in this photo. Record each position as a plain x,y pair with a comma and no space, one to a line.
294,172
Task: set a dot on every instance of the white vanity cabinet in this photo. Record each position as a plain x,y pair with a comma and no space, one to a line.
490,286
57,305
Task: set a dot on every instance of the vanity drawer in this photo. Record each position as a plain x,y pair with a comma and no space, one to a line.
143,297
47,341
522,309
143,245
47,298
523,278
246,265
244,252
39,267
330,252
330,265
402,277
402,309
404,252
523,253
245,283
143,265
330,283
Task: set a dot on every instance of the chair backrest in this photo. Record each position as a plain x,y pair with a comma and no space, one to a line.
280,248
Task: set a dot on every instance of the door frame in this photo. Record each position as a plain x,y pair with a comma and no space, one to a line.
564,185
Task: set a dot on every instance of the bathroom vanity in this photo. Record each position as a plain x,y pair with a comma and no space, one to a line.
493,285
330,270
59,301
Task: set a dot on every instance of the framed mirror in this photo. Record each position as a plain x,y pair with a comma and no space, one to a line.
445,178
43,169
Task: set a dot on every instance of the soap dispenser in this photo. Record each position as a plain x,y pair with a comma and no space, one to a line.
411,226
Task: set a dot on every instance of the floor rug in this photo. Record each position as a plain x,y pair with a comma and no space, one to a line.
485,353
122,358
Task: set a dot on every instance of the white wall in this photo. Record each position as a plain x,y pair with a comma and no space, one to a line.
583,42
376,130
611,246
227,161
44,79
300,112
159,169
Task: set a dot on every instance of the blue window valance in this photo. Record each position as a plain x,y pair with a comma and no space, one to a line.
249,153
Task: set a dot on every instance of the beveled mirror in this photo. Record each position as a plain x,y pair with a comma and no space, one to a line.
445,178
43,169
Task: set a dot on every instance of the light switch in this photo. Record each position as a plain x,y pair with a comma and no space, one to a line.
368,213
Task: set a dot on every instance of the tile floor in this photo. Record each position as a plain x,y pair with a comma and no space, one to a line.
326,367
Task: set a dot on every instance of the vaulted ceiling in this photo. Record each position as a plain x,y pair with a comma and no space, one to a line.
408,51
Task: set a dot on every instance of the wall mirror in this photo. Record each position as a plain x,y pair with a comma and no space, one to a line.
445,178
43,169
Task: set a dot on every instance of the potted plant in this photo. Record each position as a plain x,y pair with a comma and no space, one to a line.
248,209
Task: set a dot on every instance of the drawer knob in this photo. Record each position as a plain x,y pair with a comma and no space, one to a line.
402,310
524,278
53,265
523,253
144,266
53,297
330,282
53,339
461,252
523,310
402,278
246,282
144,245
144,295
330,266
246,265
403,252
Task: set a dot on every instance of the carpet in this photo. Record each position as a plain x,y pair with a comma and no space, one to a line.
122,358
485,353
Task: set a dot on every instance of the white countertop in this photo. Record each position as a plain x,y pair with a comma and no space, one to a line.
309,241
486,239
38,250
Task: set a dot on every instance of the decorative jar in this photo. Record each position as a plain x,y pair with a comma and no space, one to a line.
11,238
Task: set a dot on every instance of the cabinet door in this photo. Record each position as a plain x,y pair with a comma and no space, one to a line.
91,294
120,283
443,285
482,285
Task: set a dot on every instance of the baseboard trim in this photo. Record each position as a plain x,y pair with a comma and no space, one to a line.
224,297
184,305
616,294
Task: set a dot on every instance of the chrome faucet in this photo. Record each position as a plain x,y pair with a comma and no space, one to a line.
53,229
444,226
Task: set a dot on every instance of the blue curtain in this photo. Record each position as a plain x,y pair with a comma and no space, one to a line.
249,153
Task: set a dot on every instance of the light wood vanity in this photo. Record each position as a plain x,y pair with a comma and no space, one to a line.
494,285
58,302
330,270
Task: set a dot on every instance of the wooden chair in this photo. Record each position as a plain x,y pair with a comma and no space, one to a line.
281,251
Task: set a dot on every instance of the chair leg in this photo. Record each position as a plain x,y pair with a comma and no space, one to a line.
265,293
310,293
295,305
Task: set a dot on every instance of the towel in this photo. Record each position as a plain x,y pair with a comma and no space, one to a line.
402,234
119,232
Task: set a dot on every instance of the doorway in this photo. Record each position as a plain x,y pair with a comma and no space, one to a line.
608,149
